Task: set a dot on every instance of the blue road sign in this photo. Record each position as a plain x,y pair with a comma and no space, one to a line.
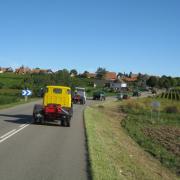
26,92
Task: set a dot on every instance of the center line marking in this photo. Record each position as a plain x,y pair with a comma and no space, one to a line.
8,133
22,125
13,133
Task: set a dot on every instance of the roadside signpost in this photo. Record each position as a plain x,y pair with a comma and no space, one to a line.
155,107
155,104
26,93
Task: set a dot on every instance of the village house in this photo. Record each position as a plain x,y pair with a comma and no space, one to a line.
41,71
134,75
73,74
110,76
116,85
129,79
23,70
91,75
5,70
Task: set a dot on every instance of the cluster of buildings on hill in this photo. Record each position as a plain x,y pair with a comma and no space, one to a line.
25,70
109,76
115,81
114,76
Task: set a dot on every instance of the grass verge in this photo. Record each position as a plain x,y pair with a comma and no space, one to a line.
113,154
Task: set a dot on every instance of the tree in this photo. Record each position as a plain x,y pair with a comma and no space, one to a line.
130,74
142,79
167,82
74,72
173,82
62,77
120,74
84,74
101,72
177,81
152,81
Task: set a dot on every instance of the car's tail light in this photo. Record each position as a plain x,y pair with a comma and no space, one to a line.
50,109
59,109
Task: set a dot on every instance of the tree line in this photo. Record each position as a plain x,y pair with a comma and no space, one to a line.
163,81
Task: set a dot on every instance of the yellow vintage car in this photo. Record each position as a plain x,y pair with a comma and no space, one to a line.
57,106
59,95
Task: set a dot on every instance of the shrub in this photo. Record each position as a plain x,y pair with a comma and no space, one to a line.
132,106
171,109
16,86
8,99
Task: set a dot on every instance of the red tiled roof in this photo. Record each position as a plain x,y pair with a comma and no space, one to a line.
127,79
110,76
37,71
23,70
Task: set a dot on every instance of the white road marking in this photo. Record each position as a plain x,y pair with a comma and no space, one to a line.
22,125
13,133
8,133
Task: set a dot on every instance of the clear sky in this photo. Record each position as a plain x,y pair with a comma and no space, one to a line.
120,35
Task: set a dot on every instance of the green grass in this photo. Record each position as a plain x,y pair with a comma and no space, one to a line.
139,119
8,96
10,90
11,80
112,153
5,99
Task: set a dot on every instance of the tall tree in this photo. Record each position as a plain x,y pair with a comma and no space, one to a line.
101,72
152,81
130,74
84,74
74,71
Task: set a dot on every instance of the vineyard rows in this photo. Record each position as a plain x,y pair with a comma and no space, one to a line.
173,94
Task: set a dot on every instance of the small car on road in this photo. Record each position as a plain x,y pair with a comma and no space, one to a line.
79,96
136,94
99,95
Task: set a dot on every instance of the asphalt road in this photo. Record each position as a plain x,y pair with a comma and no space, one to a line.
41,152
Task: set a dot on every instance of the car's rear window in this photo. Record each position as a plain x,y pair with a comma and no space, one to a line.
80,90
57,91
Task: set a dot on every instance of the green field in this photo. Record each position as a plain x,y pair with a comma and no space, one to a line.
8,96
12,84
11,81
112,153
158,131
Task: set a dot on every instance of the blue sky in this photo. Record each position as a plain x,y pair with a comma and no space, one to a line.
120,35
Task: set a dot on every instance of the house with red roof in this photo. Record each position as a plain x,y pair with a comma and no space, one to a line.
110,76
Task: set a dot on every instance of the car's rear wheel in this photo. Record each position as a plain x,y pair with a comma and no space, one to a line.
68,124
42,119
62,122
34,119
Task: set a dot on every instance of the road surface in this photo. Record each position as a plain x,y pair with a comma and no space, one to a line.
41,152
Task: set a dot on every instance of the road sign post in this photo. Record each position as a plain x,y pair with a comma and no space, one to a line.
25,98
155,107
26,93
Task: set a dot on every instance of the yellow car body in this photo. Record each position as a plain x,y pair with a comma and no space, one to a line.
60,95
